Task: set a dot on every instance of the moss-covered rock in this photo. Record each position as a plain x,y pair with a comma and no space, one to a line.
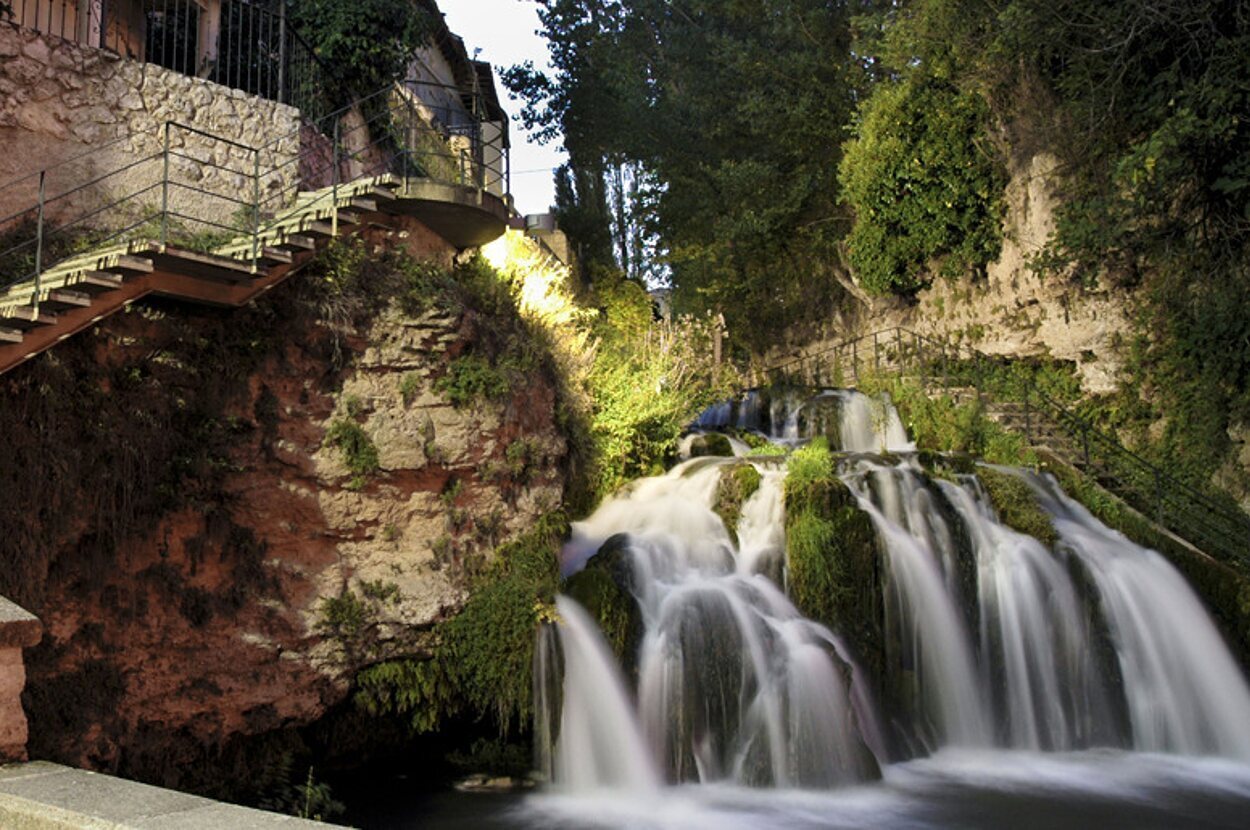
737,484
832,559
752,439
1017,505
711,443
946,464
604,587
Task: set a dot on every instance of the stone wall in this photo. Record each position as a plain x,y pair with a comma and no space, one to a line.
60,101
18,630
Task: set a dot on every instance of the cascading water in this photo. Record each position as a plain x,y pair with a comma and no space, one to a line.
995,644
734,685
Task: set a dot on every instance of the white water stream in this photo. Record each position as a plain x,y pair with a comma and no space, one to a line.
995,643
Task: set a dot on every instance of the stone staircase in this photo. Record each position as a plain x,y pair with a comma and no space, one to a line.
80,291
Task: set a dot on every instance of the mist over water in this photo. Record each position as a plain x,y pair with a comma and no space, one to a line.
1082,683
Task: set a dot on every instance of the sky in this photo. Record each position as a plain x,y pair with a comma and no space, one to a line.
506,33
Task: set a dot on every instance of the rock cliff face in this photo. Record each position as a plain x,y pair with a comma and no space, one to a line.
1011,310
197,546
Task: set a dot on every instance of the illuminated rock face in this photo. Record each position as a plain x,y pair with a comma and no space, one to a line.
210,618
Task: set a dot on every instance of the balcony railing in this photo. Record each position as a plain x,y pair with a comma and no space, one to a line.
242,44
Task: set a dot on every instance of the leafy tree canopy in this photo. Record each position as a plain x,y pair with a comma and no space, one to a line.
733,115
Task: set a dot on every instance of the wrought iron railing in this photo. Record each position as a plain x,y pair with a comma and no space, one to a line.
158,185
1218,528
249,46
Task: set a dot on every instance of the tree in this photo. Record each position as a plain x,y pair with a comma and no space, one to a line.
730,117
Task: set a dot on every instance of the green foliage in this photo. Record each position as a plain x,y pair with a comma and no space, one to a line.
647,383
1017,505
943,425
365,44
343,616
409,386
809,464
417,689
737,484
303,797
381,591
925,186
359,452
470,379
483,658
679,150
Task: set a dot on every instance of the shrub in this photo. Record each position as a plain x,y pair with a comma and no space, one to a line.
359,453
924,184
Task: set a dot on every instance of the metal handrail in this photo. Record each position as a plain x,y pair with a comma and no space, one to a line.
418,149
1176,505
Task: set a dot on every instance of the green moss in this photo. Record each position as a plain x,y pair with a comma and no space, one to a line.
605,588
711,444
768,451
482,659
737,484
833,570
359,453
1017,506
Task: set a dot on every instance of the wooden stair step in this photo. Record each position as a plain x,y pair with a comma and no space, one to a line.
63,299
297,242
97,281
133,264
25,317
266,256
324,227
10,335
202,266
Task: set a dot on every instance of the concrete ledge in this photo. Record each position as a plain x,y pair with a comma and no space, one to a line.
43,796
18,627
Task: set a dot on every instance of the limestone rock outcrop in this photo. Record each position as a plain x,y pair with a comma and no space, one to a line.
207,562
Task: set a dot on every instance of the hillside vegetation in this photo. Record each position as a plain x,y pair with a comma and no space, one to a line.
779,160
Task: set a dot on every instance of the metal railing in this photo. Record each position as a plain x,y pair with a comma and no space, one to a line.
245,44
1219,529
180,185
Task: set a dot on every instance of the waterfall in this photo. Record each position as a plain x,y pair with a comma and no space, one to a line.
599,742
993,640
1185,693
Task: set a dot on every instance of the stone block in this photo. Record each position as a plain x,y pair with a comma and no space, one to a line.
37,49
18,629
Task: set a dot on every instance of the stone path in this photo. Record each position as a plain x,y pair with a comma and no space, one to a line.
43,796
